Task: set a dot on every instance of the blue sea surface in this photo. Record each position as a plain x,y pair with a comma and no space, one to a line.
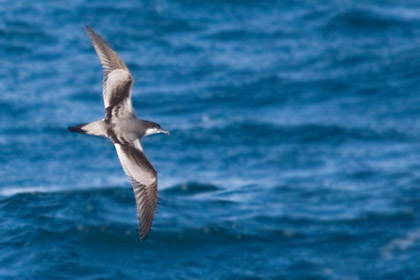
294,150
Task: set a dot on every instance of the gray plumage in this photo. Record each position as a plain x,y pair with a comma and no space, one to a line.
125,131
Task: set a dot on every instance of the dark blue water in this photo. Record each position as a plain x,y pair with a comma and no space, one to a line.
294,150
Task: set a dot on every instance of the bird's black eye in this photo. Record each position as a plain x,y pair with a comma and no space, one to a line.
157,126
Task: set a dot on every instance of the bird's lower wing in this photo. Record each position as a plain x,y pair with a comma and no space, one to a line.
143,178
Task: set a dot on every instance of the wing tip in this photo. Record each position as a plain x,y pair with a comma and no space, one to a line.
108,57
90,31
143,233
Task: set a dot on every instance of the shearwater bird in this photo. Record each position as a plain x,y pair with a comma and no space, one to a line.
125,131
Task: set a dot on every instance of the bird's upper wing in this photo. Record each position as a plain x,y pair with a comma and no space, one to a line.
117,80
143,177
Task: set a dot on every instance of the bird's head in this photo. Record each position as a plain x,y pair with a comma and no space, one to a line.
154,128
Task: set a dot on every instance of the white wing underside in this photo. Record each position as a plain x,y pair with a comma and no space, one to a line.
134,165
143,177
117,81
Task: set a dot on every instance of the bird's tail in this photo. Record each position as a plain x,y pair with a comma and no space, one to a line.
94,128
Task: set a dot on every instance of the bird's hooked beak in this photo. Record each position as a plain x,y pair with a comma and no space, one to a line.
155,130
164,131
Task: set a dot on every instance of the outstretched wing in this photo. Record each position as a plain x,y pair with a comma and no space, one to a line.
117,80
143,178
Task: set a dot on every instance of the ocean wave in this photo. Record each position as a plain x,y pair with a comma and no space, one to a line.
266,132
244,34
363,20
190,189
399,245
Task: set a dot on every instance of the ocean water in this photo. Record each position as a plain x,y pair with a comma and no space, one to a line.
294,150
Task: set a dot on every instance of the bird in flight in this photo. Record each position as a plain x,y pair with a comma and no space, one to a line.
125,131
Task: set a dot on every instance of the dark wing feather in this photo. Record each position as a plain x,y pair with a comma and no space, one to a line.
146,201
143,178
117,80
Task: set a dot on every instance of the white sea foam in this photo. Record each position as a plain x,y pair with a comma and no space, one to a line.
400,244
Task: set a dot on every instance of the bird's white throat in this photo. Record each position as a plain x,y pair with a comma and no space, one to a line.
151,131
